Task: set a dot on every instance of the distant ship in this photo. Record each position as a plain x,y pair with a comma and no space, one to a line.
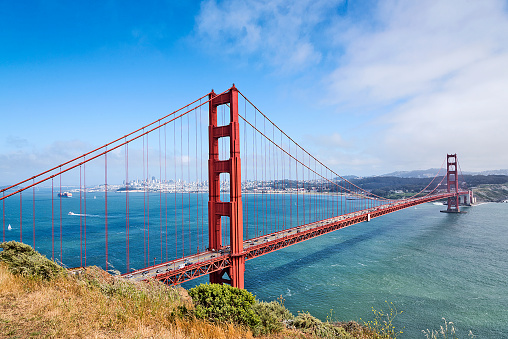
65,195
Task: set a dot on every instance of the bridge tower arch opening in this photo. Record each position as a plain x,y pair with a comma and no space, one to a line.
232,208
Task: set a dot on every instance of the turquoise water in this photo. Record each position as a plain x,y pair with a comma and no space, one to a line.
430,265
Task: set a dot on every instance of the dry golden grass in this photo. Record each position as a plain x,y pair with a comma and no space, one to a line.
94,304
97,306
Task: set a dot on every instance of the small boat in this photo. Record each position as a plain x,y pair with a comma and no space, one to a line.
9,227
65,195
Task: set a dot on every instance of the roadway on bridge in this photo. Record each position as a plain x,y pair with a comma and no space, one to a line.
184,264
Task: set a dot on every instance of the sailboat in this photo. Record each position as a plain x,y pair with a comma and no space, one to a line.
9,227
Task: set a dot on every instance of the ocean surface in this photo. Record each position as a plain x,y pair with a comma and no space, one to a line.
430,265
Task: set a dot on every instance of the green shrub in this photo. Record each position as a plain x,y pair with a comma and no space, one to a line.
273,317
306,321
312,325
24,260
383,322
224,303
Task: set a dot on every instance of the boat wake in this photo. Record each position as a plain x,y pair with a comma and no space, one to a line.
83,215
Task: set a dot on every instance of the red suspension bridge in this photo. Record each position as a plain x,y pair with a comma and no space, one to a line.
150,204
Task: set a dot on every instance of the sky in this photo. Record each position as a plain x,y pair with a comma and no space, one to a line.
368,87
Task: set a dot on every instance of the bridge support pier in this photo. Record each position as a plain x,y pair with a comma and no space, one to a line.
232,208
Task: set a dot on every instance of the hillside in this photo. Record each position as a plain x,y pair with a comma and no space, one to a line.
39,299
489,188
491,192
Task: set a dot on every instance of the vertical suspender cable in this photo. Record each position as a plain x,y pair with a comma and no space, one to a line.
263,177
255,165
127,221
52,221
175,189
189,181
182,181
297,183
160,192
166,188
144,203
3,215
60,200
309,187
328,200
106,202
147,202
80,221
283,165
197,185
245,171
291,190
342,197
317,197
275,176
203,246
20,218
33,213
303,181
269,178
321,201
84,194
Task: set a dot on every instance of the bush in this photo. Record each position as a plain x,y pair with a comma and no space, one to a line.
312,325
223,304
383,322
273,316
24,260
306,321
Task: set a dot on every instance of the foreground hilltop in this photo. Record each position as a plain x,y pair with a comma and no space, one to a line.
40,299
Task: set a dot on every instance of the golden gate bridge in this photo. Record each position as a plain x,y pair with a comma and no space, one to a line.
219,184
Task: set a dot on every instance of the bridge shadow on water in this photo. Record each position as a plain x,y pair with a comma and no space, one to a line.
278,273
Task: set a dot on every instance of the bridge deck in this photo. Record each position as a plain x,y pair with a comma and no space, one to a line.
191,267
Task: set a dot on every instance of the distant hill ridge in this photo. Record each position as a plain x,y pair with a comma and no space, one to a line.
430,173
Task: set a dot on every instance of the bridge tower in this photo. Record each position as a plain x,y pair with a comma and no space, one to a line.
233,207
452,183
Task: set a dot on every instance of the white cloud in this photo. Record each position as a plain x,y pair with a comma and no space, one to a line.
20,164
419,46
439,70
279,33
